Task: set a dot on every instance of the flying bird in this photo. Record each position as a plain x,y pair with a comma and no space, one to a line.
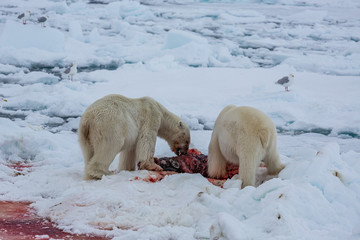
42,20
71,71
25,16
286,81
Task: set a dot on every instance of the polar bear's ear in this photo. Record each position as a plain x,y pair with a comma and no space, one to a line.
181,125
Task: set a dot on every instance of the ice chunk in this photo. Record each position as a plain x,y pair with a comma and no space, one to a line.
94,36
178,38
37,77
19,36
126,9
223,54
188,48
308,16
76,31
6,69
59,7
192,122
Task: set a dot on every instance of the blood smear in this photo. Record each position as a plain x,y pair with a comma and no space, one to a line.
19,222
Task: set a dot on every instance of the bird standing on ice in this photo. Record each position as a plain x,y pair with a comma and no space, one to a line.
71,71
2,100
42,20
25,16
286,81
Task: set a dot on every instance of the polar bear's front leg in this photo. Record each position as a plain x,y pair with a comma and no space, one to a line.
150,165
145,149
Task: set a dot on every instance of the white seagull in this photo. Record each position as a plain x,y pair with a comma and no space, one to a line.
71,71
42,20
286,81
2,100
25,16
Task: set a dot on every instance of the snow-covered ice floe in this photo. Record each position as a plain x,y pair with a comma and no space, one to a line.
194,57
310,36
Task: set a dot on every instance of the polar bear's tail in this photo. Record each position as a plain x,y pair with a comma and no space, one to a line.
264,135
84,140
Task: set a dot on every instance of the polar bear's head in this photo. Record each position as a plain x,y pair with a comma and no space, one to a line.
181,139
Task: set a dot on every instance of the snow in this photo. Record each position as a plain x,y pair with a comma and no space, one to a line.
18,36
195,58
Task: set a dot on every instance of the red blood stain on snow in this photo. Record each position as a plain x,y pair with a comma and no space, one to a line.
19,166
155,176
19,222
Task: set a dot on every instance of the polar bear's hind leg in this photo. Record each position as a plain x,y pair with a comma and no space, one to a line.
99,163
216,160
249,160
127,160
273,163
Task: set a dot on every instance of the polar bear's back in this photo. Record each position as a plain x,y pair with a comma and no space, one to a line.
244,116
117,103
244,124
116,115
112,107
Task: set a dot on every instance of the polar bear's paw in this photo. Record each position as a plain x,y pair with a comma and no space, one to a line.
150,166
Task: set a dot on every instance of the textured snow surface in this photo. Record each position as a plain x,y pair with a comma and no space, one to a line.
195,58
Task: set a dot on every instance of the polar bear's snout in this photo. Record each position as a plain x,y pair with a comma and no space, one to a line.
182,151
181,140
180,148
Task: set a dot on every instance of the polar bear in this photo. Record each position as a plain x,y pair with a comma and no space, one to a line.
116,124
243,136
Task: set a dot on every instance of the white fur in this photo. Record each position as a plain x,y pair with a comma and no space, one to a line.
116,124
244,136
